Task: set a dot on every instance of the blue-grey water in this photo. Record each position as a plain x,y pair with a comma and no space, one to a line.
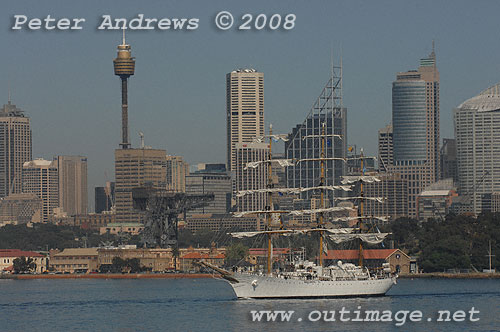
209,305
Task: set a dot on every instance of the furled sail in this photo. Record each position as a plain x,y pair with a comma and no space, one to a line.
370,238
331,209
281,162
290,190
356,178
282,137
357,217
319,159
287,232
376,199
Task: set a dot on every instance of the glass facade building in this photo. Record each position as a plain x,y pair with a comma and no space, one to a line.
409,116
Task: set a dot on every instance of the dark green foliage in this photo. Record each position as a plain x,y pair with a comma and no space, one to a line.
235,253
457,242
131,265
24,265
49,236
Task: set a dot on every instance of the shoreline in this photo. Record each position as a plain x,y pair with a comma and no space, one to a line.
442,275
433,275
109,276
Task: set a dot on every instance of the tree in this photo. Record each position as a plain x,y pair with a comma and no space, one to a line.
24,265
235,253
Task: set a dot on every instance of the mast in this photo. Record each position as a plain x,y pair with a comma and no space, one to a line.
270,201
322,197
361,210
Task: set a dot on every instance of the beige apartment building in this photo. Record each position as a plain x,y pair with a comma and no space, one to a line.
40,177
177,170
72,184
136,168
74,260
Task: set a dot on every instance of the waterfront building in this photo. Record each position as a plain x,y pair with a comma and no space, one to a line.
477,133
72,184
41,177
385,148
7,257
244,110
436,200
415,121
73,260
15,148
136,168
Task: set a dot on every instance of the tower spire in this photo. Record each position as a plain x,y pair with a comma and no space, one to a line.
124,65
9,100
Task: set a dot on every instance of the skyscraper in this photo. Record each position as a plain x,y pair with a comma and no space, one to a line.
72,184
209,180
40,177
245,109
385,148
477,133
415,121
15,148
105,197
305,142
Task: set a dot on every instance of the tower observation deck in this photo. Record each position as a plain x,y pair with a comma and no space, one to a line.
124,66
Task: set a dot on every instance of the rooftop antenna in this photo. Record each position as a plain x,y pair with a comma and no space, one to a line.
9,100
123,29
141,135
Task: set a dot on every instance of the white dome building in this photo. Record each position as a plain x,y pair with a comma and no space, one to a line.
477,133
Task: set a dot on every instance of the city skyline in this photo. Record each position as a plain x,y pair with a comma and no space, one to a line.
64,112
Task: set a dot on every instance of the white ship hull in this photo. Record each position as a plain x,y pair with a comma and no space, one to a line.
262,287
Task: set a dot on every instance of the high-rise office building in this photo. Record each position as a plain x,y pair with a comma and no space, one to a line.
15,148
40,177
177,170
245,109
385,148
394,189
210,180
415,121
136,168
105,197
477,133
448,160
251,178
72,184
305,141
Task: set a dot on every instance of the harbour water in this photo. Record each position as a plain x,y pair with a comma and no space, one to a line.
210,305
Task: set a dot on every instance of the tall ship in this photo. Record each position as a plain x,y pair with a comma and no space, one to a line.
303,278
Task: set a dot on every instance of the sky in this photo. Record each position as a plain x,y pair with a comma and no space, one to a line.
64,80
